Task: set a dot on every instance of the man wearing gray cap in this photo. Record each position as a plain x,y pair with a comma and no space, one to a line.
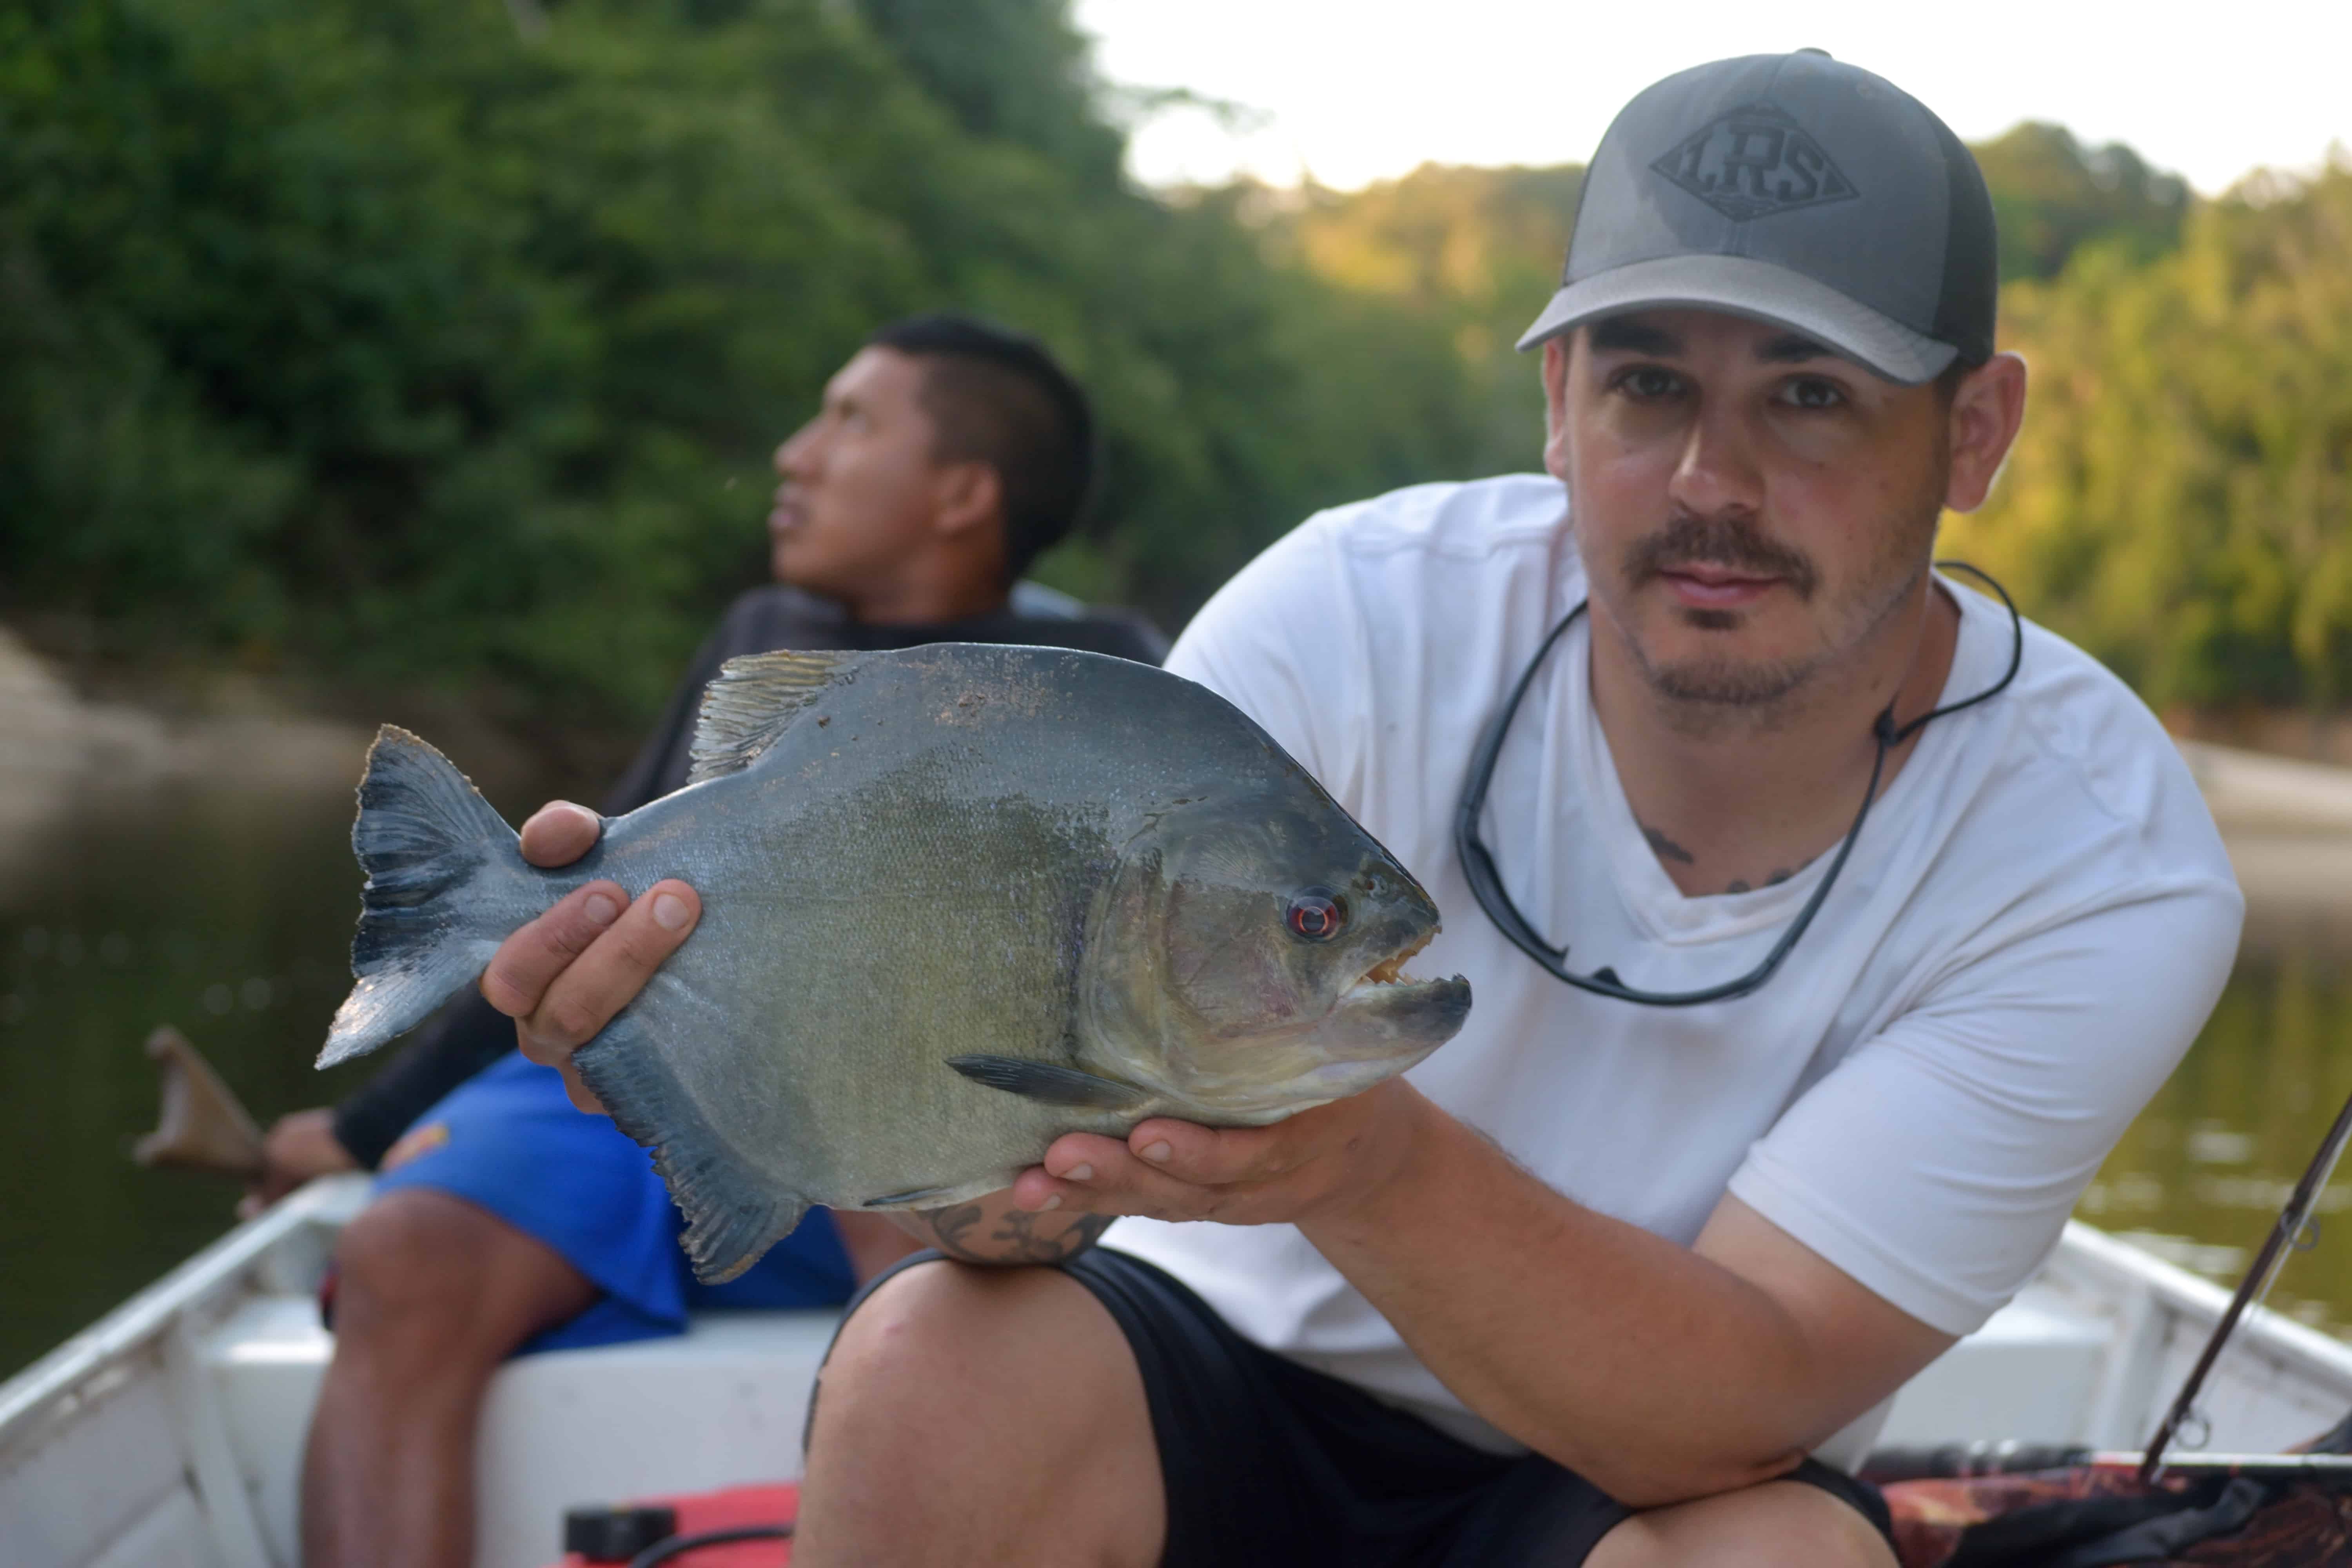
1826,923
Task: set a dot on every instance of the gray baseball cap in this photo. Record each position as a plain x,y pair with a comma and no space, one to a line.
1795,190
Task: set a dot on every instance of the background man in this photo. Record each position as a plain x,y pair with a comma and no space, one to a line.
947,456
1609,1276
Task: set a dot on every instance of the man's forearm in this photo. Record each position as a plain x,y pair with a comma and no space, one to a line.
1655,1372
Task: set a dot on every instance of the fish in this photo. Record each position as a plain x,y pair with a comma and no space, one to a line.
957,901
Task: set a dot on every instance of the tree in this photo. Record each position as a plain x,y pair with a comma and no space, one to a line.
367,335
2178,499
2051,194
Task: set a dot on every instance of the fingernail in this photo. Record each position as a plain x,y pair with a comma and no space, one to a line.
1080,1173
600,910
1053,1200
1156,1153
670,912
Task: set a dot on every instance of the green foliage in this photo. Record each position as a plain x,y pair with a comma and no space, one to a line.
2177,501
1474,251
2052,195
369,334
1010,69
375,335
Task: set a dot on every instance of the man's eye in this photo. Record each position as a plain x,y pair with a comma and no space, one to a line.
1809,393
1647,381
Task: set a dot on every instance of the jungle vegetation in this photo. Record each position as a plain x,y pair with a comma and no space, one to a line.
447,340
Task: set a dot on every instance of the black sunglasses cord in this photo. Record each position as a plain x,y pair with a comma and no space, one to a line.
1485,878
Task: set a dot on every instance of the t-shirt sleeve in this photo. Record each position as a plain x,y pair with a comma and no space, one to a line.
1937,1164
1280,641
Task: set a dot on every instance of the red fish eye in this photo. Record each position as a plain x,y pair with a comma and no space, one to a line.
1317,914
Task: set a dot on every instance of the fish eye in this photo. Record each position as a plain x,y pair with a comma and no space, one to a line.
1317,914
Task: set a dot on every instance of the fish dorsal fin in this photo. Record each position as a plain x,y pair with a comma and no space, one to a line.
755,699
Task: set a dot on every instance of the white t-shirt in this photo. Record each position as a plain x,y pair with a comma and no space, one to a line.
2030,930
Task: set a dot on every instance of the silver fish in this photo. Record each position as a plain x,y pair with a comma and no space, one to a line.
957,901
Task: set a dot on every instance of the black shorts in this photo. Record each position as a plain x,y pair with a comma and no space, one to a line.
1269,1463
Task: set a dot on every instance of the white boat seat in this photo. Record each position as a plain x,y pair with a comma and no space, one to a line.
720,1405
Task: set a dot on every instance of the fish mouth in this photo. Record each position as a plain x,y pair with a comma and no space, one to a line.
1390,1016
1389,971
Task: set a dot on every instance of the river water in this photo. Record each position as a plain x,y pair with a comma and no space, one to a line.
211,885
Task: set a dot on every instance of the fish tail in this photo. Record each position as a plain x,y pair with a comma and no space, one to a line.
732,1214
428,841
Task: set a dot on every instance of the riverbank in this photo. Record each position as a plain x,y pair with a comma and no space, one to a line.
75,728
2287,823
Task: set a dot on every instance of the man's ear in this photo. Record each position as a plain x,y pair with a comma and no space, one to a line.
1555,380
967,495
1987,406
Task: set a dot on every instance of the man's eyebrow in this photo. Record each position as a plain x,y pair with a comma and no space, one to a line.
1631,334
1792,350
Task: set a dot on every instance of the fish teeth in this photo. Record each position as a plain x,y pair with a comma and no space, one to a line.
1389,971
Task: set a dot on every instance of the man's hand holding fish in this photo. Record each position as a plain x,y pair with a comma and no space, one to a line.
563,976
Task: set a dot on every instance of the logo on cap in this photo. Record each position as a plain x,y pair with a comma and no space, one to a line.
1755,161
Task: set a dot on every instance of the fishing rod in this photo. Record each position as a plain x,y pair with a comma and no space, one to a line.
2285,1237
1970,1461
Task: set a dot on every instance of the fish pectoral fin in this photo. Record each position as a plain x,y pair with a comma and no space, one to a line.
754,700
1053,1085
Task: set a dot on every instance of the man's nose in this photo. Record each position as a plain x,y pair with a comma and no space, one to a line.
796,454
1715,474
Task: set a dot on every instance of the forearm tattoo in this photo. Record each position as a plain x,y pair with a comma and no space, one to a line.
1015,1239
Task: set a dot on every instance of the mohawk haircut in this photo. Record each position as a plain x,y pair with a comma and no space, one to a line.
996,396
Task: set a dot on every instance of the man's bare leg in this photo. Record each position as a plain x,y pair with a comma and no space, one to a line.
1782,1525
982,1416
432,1294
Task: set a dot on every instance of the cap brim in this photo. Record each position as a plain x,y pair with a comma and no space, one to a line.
1761,290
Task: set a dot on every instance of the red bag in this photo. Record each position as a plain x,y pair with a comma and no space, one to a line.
619,1534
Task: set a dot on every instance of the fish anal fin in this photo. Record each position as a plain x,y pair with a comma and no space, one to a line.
754,700
732,1214
1051,1084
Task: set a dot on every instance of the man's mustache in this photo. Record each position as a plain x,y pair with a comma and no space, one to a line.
1730,543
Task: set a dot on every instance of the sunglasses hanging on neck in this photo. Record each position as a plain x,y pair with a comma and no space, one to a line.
1487,879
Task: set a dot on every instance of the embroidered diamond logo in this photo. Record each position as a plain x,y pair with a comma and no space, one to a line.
1755,161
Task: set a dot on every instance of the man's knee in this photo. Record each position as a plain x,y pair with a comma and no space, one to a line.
955,1337
997,1385
421,1260
1781,1524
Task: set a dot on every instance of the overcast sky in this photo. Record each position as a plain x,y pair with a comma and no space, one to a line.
1355,90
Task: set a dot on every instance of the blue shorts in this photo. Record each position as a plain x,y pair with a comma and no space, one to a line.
507,1140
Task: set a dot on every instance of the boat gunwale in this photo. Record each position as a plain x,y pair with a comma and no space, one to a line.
86,1368
2112,1261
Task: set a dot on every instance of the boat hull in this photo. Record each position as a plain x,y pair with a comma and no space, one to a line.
171,1433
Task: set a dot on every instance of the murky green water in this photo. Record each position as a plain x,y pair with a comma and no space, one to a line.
2200,1178
223,910
227,911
